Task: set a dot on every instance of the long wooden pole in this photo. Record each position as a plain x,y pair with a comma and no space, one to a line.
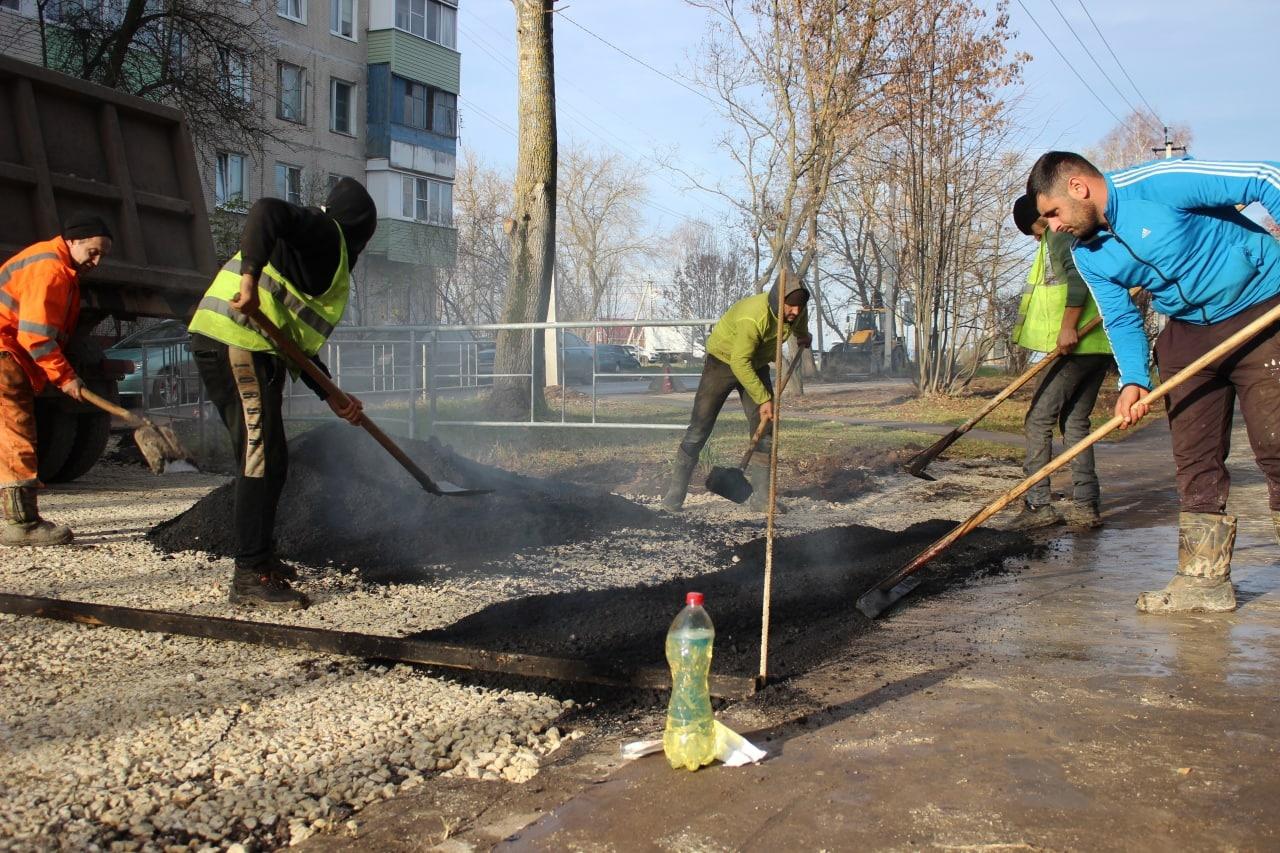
773,486
877,599
916,465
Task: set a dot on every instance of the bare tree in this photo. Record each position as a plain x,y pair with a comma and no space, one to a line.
1138,139
474,291
601,230
792,77
709,276
203,57
532,227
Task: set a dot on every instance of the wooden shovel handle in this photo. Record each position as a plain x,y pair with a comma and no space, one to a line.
759,433
112,409
1162,390
299,358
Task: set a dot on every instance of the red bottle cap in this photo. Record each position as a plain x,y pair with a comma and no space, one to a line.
693,599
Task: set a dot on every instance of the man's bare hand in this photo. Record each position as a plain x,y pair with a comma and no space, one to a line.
74,389
246,301
1128,408
1067,340
766,410
347,407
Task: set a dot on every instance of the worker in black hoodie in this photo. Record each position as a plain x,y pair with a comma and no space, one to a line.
294,265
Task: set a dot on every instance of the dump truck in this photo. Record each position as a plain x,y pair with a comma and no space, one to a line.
862,352
68,145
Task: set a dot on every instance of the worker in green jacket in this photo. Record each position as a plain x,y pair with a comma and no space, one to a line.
739,351
1055,305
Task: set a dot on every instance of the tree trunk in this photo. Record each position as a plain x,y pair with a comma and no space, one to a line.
532,228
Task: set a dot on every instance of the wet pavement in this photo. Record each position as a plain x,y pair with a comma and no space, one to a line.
1037,710
1033,710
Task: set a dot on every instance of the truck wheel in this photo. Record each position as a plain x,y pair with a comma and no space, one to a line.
55,435
93,429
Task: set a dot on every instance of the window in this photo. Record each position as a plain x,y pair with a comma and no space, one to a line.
9,4
342,101
444,113
416,105
342,18
429,19
289,182
228,182
294,10
289,84
427,201
234,74
333,182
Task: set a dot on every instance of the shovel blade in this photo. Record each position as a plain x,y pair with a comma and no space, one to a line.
875,601
729,483
451,490
918,471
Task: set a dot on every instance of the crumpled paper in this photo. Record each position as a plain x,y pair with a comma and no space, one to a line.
732,749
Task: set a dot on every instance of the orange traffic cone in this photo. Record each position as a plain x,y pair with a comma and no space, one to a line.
667,386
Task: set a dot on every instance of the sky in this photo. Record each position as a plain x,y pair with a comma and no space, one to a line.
1206,65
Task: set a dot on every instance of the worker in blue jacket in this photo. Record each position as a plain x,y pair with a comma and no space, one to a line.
1173,228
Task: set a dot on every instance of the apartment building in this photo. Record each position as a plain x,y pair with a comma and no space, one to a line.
360,88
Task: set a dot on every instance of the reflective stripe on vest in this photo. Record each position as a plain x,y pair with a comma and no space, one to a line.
307,320
10,268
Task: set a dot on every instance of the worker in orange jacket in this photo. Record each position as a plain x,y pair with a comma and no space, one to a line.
39,306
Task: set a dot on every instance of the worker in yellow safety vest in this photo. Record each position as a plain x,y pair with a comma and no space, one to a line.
294,265
1054,306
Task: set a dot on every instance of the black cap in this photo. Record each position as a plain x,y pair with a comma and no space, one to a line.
1025,214
81,226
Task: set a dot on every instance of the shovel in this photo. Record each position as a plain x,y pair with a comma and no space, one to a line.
917,464
732,483
889,591
299,358
159,445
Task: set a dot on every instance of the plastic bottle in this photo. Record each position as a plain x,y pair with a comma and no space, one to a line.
690,740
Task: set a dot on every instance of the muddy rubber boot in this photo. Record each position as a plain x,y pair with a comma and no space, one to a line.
678,486
1034,518
1082,516
258,587
23,525
1203,581
758,477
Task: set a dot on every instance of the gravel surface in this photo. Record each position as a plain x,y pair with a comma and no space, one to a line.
149,741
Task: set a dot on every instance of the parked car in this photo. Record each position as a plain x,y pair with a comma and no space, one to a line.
576,360
169,370
614,358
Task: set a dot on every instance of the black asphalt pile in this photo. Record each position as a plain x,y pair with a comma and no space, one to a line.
817,578
349,504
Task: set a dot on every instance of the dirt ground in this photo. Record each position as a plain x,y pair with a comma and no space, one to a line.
1034,710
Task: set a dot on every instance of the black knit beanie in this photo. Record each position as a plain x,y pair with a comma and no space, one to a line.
81,226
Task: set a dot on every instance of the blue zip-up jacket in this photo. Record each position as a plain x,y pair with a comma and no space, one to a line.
1175,232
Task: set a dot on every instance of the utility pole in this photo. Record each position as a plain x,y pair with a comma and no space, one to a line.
1169,147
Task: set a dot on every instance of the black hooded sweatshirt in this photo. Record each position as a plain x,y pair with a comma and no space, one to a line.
302,242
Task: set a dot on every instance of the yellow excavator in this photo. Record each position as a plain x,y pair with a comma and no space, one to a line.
862,352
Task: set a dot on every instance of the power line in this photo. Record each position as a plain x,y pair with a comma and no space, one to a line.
640,61
1119,64
1067,63
1101,70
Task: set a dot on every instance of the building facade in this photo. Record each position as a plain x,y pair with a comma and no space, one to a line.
356,88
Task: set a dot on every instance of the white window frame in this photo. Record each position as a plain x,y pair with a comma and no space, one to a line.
420,195
301,17
16,7
284,172
335,21
222,190
334,83
235,73
426,11
281,112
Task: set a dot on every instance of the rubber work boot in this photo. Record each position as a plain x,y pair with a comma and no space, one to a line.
258,587
1082,516
23,524
758,477
678,486
1034,518
1203,581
